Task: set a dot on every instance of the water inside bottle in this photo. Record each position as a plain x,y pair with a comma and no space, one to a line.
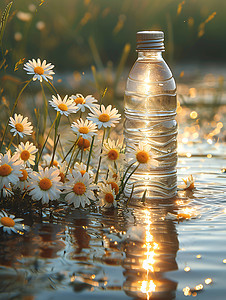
151,119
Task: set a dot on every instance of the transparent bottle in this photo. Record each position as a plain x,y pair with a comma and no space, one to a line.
150,109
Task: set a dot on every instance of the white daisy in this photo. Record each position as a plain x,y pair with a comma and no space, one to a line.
26,153
9,170
9,224
107,196
105,117
79,189
142,154
24,180
85,129
113,182
189,183
45,185
116,174
47,158
40,70
20,125
82,169
81,102
7,192
64,106
112,152
62,171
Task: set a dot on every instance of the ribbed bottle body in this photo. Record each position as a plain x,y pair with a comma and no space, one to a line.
150,110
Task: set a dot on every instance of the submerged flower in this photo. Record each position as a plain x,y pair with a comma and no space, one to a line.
40,70
112,152
106,117
9,224
141,154
20,125
81,102
64,106
85,129
26,153
9,170
107,196
189,183
45,185
79,189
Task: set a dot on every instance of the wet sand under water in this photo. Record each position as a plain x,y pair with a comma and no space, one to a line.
134,252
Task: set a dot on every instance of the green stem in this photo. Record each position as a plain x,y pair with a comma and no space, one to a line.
51,87
39,157
82,151
90,153
54,150
123,185
98,168
12,111
73,163
10,143
56,126
45,113
75,143
126,173
70,161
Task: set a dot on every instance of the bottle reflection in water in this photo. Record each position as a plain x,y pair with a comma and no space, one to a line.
150,110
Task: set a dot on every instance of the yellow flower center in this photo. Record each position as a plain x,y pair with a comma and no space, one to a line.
80,100
63,107
84,129
83,143
82,172
115,176
142,157
24,155
24,175
5,170
183,216
113,154
62,177
109,198
39,70
104,118
79,188
114,186
19,127
191,186
55,163
7,221
45,184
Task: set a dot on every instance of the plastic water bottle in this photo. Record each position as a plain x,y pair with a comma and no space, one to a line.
150,110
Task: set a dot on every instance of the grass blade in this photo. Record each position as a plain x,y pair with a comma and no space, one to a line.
4,19
121,65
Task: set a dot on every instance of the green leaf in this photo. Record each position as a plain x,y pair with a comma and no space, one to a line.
4,19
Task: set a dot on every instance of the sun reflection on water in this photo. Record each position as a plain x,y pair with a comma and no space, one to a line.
148,286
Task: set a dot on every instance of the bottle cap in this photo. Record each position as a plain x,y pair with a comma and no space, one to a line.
150,40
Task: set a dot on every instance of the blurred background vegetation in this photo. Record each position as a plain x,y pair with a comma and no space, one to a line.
74,34
92,45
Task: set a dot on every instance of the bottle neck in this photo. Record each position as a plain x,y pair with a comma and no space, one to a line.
150,55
